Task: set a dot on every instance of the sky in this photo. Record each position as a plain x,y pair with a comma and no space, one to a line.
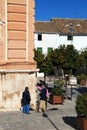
47,9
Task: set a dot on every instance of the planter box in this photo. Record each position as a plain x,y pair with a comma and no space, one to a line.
81,123
83,82
56,99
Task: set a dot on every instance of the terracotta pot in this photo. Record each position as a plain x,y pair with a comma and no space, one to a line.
56,99
83,82
81,123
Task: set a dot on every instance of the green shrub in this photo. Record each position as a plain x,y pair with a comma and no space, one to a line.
81,105
59,83
81,77
57,91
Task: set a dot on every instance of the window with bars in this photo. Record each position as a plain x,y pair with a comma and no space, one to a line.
69,37
39,37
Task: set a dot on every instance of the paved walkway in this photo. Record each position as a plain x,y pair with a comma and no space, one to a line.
59,117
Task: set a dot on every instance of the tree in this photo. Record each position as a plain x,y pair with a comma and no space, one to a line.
65,57
38,57
43,63
71,56
58,57
83,58
82,62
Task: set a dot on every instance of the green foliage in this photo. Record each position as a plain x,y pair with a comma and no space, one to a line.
38,57
43,63
65,57
69,72
71,56
81,77
46,66
81,105
81,61
57,91
58,56
83,57
58,88
59,83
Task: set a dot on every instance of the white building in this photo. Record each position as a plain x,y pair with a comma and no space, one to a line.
49,35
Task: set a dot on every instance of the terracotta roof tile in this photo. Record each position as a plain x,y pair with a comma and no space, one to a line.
45,27
62,26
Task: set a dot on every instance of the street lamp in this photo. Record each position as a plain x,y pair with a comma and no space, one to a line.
71,29
71,32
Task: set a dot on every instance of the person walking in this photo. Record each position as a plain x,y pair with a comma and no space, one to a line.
38,90
43,99
26,101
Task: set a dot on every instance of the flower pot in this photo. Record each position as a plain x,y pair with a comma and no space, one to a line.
81,123
83,82
56,99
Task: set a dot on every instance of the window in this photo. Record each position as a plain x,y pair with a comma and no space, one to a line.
39,37
39,49
70,37
49,49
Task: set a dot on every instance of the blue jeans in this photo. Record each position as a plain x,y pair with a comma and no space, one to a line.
26,108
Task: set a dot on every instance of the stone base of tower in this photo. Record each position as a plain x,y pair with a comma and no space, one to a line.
12,84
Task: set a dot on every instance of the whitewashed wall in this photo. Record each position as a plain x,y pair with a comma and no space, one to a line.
55,40
48,40
79,42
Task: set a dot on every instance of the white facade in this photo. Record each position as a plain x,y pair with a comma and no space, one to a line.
48,40
53,40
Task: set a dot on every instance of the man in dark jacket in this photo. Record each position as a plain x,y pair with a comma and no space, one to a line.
43,98
26,101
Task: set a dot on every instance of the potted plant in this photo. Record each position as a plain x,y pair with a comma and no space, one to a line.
82,79
59,83
57,96
81,109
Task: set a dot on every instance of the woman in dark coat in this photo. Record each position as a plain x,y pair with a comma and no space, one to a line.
26,101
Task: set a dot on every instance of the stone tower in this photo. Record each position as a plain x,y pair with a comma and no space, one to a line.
17,67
